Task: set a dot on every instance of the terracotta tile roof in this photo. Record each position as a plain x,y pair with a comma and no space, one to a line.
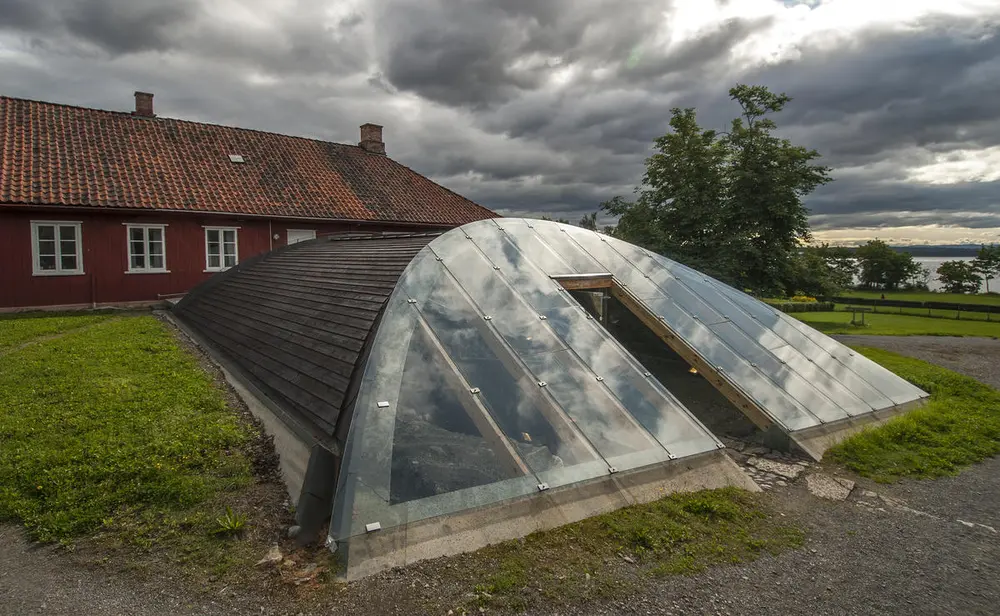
54,154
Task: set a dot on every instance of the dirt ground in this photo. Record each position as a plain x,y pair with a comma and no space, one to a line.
917,547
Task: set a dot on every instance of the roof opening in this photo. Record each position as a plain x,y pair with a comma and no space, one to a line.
236,158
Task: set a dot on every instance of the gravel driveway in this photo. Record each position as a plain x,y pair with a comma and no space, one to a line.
923,547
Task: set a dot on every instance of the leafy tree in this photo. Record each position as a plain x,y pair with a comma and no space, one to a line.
728,204
589,221
884,268
958,277
987,263
843,267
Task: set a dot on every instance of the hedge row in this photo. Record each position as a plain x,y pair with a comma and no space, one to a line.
801,306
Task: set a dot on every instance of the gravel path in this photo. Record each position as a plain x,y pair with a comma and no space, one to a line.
976,357
928,547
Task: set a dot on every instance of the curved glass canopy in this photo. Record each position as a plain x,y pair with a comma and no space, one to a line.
486,380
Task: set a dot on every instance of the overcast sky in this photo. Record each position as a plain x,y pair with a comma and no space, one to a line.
550,106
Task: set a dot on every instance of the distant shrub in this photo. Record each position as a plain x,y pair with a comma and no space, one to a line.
813,306
803,298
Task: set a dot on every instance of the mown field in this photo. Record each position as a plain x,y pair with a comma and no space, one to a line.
889,324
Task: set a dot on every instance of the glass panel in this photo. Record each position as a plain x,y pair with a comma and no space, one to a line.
67,262
555,236
135,234
520,233
817,395
47,262
778,403
230,259
437,447
156,261
213,261
213,239
46,232
47,247
533,284
155,234
138,262
512,396
67,247
516,321
645,399
611,261
67,232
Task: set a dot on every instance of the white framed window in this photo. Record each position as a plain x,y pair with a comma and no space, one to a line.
221,248
301,235
56,248
147,248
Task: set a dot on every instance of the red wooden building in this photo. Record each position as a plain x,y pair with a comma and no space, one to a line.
110,208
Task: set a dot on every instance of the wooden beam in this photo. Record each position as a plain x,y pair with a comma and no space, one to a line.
745,404
473,406
579,282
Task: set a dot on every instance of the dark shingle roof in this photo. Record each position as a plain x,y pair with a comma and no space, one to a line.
61,155
295,321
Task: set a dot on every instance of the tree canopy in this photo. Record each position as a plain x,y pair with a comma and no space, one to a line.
881,267
729,204
987,263
958,277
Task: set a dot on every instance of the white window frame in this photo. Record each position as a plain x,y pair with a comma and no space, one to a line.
287,231
36,269
145,244
222,248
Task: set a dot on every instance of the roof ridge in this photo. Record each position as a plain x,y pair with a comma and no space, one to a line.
131,116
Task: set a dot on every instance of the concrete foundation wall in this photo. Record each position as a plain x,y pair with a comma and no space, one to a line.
470,530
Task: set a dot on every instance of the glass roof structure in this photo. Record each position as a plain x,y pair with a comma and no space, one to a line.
487,381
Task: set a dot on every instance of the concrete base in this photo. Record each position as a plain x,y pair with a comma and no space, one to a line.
470,530
815,441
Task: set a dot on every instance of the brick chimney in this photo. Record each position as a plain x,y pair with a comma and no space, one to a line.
371,139
144,105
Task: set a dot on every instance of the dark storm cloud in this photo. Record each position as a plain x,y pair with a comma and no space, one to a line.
532,107
484,52
116,26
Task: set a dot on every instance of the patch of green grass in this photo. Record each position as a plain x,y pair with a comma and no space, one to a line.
679,534
959,425
111,419
927,296
17,329
897,325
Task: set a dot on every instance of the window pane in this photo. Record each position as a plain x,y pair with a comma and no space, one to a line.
229,236
156,248
67,248
68,262
155,234
67,232
47,262
213,261
156,261
138,248
48,232
135,234
47,247
213,235
230,260
138,262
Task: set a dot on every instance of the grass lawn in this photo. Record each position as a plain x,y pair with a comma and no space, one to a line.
601,556
18,328
959,425
897,325
926,296
114,440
